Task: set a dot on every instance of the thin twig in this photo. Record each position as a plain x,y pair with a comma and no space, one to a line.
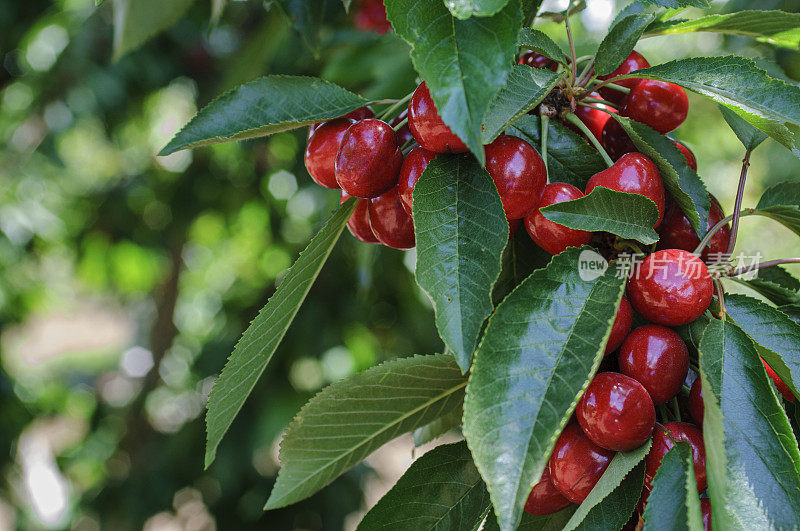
762,265
713,230
610,83
737,207
545,129
586,74
573,65
721,297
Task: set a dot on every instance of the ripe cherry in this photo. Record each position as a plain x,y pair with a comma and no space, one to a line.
634,61
779,385
690,158
664,438
616,412
390,222
416,162
577,463
705,510
551,236
518,171
371,16
369,159
362,113
358,224
545,498
594,119
676,231
616,141
656,357
427,126
321,151
696,405
632,173
661,105
621,327
671,287
537,60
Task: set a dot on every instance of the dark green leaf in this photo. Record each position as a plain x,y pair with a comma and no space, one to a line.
520,258
775,27
540,348
525,89
464,9
529,522
262,337
267,105
773,330
539,41
680,3
673,503
682,182
782,203
436,428
463,62
751,453
306,17
746,133
530,8
611,502
619,42
440,490
776,284
350,419
792,310
629,216
692,333
137,21
771,105
461,231
570,159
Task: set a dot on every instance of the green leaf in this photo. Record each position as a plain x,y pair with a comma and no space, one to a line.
673,503
539,41
436,428
629,216
525,89
748,135
440,490
461,231
306,18
680,3
619,42
611,502
529,522
530,8
463,9
751,454
463,62
520,258
570,159
267,105
262,337
540,349
774,27
682,182
773,330
137,21
782,203
350,419
771,105
776,284
692,333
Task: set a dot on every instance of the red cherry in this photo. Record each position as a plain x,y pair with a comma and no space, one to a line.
369,159
594,119
371,16
358,224
361,113
416,162
661,105
518,172
616,141
577,463
656,357
545,498
427,126
551,236
321,151
616,412
696,405
537,60
634,61
513,226
690,158
705,510
664,438
671,287
632,173
621,327
389,221
676,231
779,385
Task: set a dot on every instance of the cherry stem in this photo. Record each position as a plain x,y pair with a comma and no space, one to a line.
594,106
600,100
400,124
587,74
762,265
676,409
737,207
396,105
664,413
713,230
593,139
721,297
573,64
610,83
545,130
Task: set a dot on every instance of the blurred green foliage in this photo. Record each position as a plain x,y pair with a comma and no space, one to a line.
113,260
